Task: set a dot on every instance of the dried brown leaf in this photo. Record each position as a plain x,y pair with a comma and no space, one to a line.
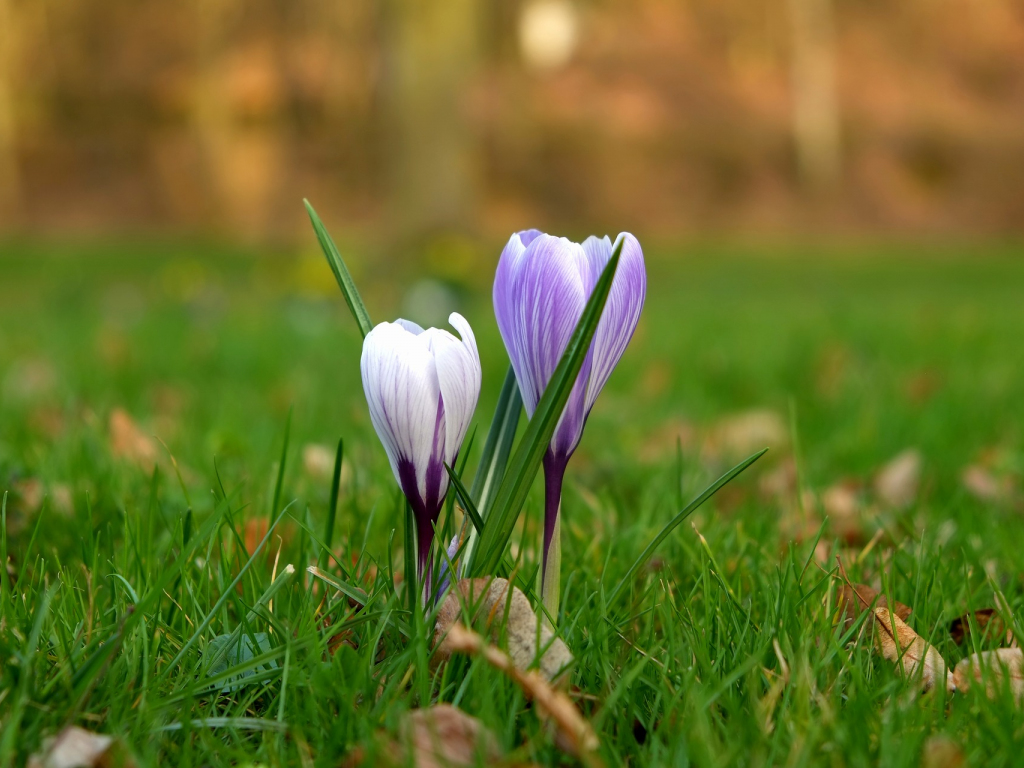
577,734
995,669
988,621
780,482
900,644
128,441
841,502
896,483
512,616
672,434
76,747
983,484
941,752
29,494
855,599
740,434
443,736
318,461
440,736
339,639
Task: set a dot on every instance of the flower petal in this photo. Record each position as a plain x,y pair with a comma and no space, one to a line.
505,277
622,310
402,391
539,295
458,374
527,236
414,328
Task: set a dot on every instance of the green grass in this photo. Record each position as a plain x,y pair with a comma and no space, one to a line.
861,352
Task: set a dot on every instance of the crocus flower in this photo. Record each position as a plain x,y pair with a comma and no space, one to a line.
540,289
422,387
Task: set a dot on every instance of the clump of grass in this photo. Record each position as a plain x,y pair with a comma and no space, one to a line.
722,649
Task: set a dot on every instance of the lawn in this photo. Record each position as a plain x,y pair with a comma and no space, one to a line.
147,391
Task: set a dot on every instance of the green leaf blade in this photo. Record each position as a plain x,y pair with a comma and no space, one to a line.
706,494
498,446
341,273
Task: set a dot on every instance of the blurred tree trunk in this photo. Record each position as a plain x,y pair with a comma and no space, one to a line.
431,56
237,98
815,105
210,114
10,182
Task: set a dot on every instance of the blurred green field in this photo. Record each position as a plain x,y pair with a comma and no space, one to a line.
850,354
871,350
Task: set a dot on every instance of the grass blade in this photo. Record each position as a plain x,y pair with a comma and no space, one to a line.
253,614
409,556
494,458
227,594
332,509
12,725
341,273
5,587
498,445
279,484
706,494
466,499
104,648
478,524
511,493
236,723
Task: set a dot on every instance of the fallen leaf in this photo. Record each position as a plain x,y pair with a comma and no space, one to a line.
62,500
669,437
779,482
800,519
339,639
840,500
981,483
993,668
842,505
900,644
739,435
577,734
512,618
29,493
253,531
76,747
47,420
854,599
922,385
129,442
988,621
443,736
896,483
318,461
30,379
940,751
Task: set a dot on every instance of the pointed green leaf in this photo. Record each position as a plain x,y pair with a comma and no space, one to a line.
341,273
707,493
498,446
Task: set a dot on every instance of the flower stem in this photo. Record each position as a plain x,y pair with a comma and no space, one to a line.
554,472
424,540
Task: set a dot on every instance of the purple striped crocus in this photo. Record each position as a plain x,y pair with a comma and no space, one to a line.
422,387
540,289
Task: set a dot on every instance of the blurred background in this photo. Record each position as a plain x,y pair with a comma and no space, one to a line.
406,123
829,193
